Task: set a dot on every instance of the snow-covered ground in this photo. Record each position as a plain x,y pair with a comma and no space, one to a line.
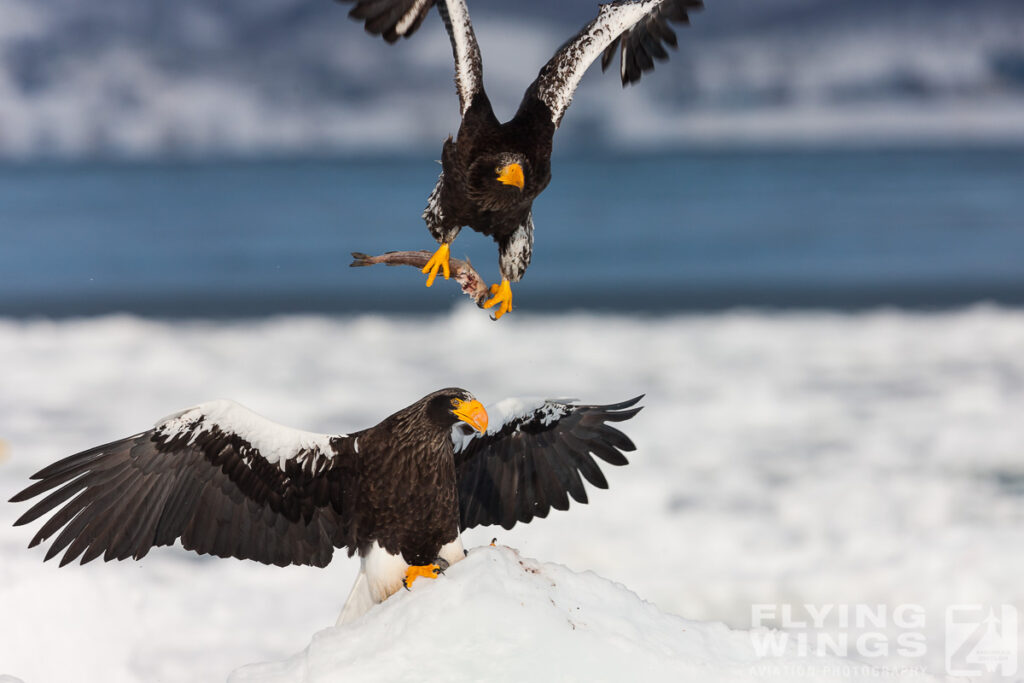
499,616
868,461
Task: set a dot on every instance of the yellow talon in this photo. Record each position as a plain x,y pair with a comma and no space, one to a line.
438,260
502,294
414,572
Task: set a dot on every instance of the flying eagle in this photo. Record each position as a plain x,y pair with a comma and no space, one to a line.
231,483
492,171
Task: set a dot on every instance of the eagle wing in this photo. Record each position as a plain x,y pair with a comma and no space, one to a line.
531,457
639,27
468,67
223,479
391,19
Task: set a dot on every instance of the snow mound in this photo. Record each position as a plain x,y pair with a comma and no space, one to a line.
498,616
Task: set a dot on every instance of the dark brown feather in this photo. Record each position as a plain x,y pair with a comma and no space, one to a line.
381,17
643,44
532,464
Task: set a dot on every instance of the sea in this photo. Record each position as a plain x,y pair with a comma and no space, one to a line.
617,232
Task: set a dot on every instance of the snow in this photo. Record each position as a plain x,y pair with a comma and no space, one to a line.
498,616
782,459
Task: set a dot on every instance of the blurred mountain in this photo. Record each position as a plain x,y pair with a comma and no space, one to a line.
197,77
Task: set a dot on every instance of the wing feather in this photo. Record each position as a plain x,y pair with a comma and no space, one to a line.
179,508
109,532
573,464
554,488
465,50
591,472
638,29
532,457
138,543
220,478
509,482
72,532
391,19
98,501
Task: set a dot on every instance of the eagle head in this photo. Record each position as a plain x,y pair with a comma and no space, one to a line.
449,406
496,181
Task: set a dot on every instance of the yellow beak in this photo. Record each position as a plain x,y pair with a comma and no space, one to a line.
512,175
473,414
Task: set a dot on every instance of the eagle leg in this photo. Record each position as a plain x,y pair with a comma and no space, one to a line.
430,571
500,294
438,260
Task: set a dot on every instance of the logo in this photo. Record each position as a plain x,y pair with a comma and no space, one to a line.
981,640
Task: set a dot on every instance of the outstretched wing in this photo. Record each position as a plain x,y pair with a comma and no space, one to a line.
640,27
223,479
468,68
646,40
391,19
531,457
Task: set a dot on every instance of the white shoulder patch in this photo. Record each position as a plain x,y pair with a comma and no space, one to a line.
539,410
518,411
276,443
504,411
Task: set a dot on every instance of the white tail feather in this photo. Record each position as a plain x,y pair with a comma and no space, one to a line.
380,576
359,600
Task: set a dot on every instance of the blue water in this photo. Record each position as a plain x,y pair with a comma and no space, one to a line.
831,229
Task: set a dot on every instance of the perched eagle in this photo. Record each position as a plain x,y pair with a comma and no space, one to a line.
231,483
492,171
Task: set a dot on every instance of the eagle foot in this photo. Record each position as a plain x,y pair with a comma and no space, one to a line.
500,294
438,260
431,571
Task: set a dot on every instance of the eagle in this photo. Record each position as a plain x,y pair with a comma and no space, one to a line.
228,482
492,171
